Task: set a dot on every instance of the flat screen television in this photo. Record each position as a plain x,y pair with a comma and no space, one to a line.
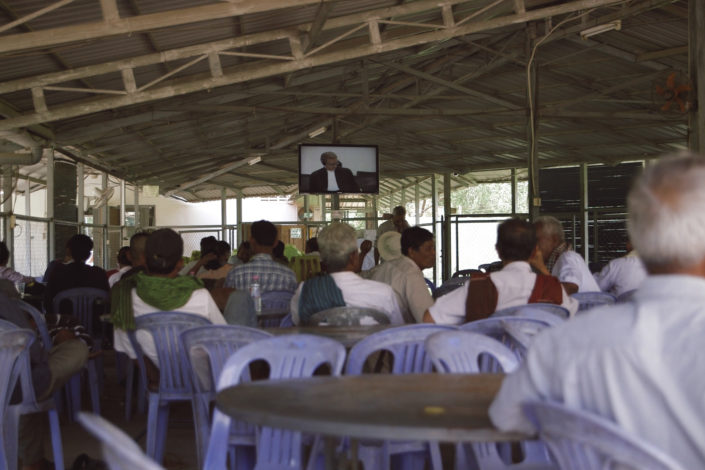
337,168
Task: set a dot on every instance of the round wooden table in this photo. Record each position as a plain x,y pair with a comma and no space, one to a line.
427,407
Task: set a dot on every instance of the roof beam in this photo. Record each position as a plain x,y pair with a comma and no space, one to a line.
350,50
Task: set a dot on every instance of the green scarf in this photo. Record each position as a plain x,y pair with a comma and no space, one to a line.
162,293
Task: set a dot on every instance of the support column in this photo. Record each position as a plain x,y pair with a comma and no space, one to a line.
323,207
532,127
238,202
105,216
80,191
137,207
696,59
515,182
123,234
306,218
447,235
27,231
375,219
584,214
51,232
223,214
7,207
417,206
434,213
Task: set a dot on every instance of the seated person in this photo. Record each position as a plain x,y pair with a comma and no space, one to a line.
555,257
516,284
216,264
270,274
159,289
50,371
405,256
9,273
207,245
636,363
341,286
622,274
138,262
124,265
312,247
278,253
243,255
75,273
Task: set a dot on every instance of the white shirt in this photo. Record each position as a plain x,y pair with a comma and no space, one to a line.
115,277
514,284
571,267
200,303
332,182
638,364
621,275
407,280
359,292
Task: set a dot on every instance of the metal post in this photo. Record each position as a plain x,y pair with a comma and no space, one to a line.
447,235
584,214
375,219
323,207
27,231
515,182
696,56
417,206
224,214
123,234
51,232
7,207
532,127
238,202
80,190
105,216
434,201
136,195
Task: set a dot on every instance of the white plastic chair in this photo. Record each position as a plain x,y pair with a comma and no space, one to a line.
588,300
579,440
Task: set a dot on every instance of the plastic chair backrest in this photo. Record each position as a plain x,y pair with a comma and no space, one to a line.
218,343
626,296
276,301
119,450
165,328
305,267
554,309
465,273
83,300
460,351
588,300
14,341
348,316
449,286
286,321
39,320
431,286
405,343
288,357
515,333
580,440
540,315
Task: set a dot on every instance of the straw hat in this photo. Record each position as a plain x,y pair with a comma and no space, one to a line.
389,245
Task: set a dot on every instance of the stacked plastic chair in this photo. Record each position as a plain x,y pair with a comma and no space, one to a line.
206,349
515,332
464,352
119,451
579,440
288,357
174,378
275,306
406,345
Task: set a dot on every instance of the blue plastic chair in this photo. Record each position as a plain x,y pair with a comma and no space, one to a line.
276,301
83,302
174,378
588,300
73,387
215,343
625,296
288,356
286,321
557,310
29,405
120,451
540,315
449,286
13,343
431,286
464,352
406,345
514,332
579,440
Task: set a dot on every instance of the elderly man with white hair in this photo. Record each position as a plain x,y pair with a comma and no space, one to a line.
555,257
341,286
636,363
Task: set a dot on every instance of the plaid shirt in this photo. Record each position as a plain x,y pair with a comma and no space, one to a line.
272,275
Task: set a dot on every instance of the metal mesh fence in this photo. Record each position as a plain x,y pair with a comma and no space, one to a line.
31,246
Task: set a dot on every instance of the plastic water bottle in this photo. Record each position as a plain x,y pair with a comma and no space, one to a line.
256,294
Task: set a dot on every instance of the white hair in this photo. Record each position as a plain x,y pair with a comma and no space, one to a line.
336,242
666,219
550,226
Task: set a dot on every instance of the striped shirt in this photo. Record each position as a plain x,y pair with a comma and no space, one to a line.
272,275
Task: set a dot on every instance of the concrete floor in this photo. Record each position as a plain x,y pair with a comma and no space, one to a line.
180,446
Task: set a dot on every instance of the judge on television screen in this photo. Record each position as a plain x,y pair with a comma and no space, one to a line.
338,169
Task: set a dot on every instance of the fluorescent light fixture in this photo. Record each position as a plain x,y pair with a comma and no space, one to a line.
601,28
254,160
178,198
317,132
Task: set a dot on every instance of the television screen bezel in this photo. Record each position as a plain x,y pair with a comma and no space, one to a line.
332,146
